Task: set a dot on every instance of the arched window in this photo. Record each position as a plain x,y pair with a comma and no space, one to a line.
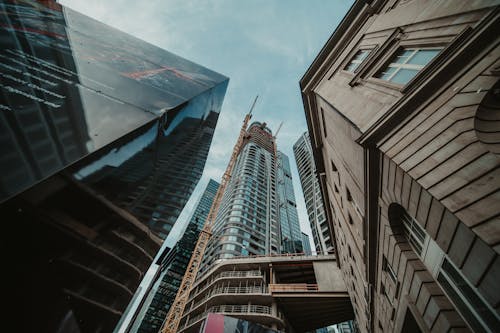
403,224
467,299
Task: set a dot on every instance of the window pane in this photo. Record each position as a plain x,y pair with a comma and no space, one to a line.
356,60
351,67
402,55
361,55
404,75
423,57
468,302
386,73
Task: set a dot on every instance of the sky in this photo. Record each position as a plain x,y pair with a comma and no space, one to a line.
263,46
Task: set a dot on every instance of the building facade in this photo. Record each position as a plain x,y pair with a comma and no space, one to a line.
146,186
173,266
402,108
306,245
291,236
271,291
79,99
258,213
321,231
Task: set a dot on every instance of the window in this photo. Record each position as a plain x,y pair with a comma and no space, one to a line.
390,271
414,233
475,311
356,60
348,194
334,167
323,120
406,63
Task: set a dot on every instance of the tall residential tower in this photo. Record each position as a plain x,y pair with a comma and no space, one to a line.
258,213
321,232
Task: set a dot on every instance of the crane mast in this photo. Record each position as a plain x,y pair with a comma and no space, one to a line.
172,321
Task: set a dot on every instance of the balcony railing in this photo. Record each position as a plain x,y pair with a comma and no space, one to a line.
241,309
240,274
261,289
261,309
292,287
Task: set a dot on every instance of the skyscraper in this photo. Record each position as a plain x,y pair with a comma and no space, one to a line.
291,237
304,158
145,184
257,213
306,245
173,267
81,103
204,204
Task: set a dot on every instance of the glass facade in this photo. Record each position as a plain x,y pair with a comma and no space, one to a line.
312,194
306,245
258,213
248,222
291,237
103,138
173,267
66,79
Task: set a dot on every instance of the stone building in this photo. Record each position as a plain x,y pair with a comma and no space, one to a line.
403,112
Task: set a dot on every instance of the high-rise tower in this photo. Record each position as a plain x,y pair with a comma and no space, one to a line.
306,245
312,194
291,237
258,213
84,106
173,267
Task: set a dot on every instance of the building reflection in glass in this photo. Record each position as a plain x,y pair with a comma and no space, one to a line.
103,138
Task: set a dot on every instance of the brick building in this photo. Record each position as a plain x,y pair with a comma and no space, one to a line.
403,111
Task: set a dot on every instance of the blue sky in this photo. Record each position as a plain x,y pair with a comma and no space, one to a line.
263,46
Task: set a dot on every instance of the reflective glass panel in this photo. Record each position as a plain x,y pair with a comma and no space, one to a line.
403,76
402,55
423,57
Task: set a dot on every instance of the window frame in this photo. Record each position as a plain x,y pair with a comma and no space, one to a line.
470,308
404,65
349,60
390,53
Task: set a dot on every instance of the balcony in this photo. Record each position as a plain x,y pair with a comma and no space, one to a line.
227,294
293,287
261,313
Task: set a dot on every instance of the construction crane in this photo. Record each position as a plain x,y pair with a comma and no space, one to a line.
277,131
172,321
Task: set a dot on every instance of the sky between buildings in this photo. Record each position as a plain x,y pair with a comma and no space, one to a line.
263,46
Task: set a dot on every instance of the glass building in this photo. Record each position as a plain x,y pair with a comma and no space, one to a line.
291,237
312,194
103,138
173,266
306,245
251,218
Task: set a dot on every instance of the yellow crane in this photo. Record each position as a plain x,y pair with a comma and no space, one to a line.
172,321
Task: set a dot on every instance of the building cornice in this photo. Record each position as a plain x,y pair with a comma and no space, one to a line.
467,45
